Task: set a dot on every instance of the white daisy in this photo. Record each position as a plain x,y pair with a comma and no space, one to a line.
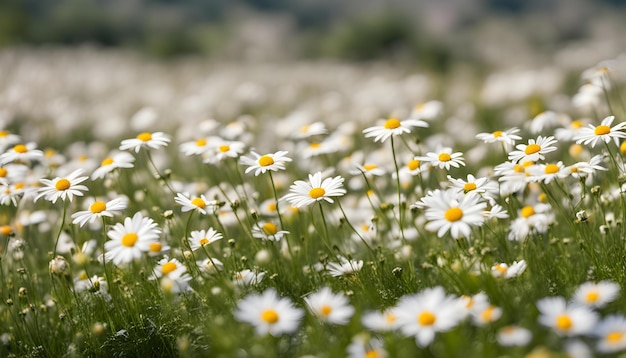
199,203
345,267
173,275
507,137
589,168
199,146
304,193
548,172
604,132
534,150
200,238
505,271
267,230
392,127
64,188
513,336
596,294
7,139
21,152
330,307
115,161
247,277
145,140
611,332
384,321
443,158
364,347
424,314
263,163
451,211
566,320
309,130
427,110
223,150
98,209
269,313
130,239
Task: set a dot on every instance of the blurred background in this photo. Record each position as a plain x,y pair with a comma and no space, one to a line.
429,34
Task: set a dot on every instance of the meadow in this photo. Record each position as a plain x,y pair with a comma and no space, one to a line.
309,210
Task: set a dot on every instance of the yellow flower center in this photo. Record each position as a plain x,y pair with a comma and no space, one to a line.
144,137
326,310
413,164
304,129
602,130
426,318
265,160
168,267
576,124
204,241
469,186
372,354
49,153
622,147
20,148
528,211
201,142
317,193
576,150
369,167
199,203
392,123
518,168
271,207
503,269
551,169
129,239
224,148
453,214
3,172
563,322
97,207
315,145
592,296
543,198
390,318
444,157
532,149
19,186
270,229
487,315
62,184
614,337
270,316
155,247
6,230
497,134
4,134
106,161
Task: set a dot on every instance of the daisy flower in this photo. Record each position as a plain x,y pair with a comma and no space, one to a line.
247,277
566,320
201,238
513,336
392,127
543,120
303,193
64,188
98,209
443,158
451,211
22,153
368,169
145,140
130,239
199,203
269,313
266,230
596,294
569,132
223,150
548,172
330,307
612,334
262,163
507,137
537,218
604,132
173,275
364,347
534,150
427,110
384,321
424,314
345,267
309,130
210,265
505,271
589,168
7,139
115,161
481,186
94,283
198,146
412,167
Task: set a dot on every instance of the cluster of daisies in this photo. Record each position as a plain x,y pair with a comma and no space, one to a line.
395,200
